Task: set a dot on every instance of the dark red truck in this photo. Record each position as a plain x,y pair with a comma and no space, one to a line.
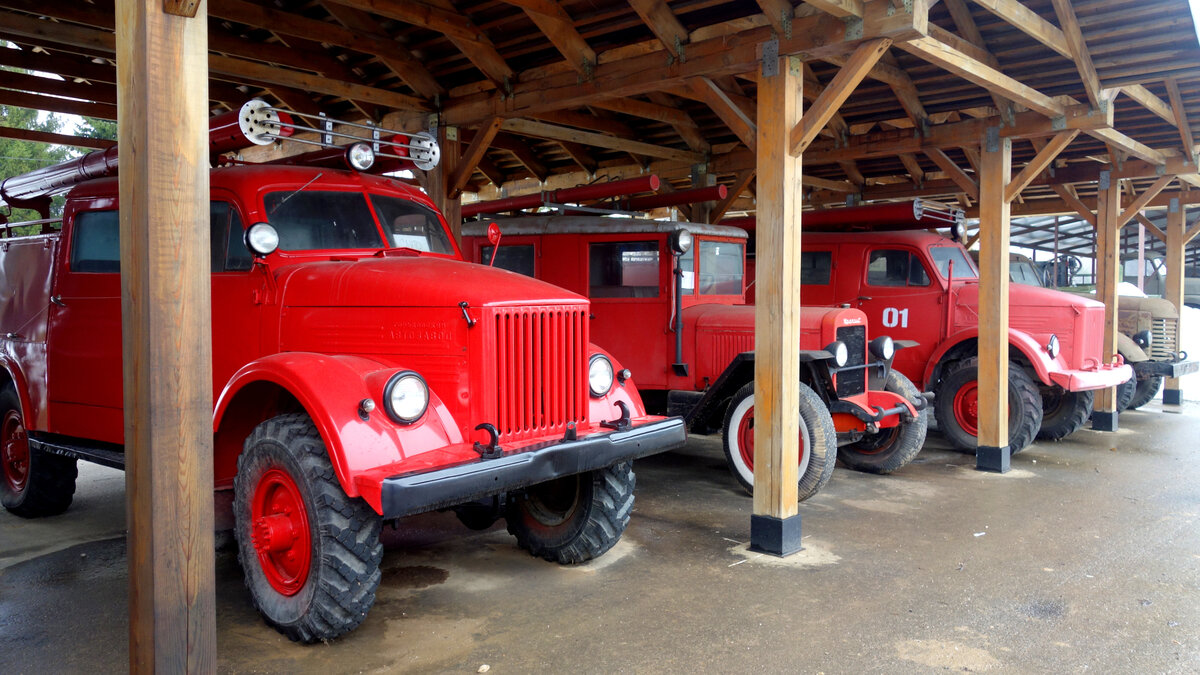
365,373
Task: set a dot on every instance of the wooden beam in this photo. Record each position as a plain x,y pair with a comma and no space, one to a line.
1150,102
1143,199
223,67
542,130
466,164
395,56
1151,227
1174,290
1181,118
836,92
966,25
1068,196
994,229
779,13
439,180
839,8
1108,274
1039,162
1079,51
56,139
1029,22
915,172
741,182
730,113
954,172
661,21
58,105
1192,232
1128,145
559,29
167,351
579,154
981,74
52,86
686,127
777,312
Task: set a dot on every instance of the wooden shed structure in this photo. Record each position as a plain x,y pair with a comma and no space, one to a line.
1007,107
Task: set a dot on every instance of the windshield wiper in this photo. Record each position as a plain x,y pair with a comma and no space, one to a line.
293,194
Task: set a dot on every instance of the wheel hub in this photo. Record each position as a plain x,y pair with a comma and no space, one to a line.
14,452
280,533
966,407
745,437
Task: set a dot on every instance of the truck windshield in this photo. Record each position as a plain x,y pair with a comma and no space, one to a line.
1021,272
942,255
411,225
721,267
318,220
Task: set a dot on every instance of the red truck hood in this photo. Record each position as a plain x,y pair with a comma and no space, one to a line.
414,281
1023,298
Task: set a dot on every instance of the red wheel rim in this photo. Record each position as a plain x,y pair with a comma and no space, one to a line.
745,438
966,407
14,452
279,530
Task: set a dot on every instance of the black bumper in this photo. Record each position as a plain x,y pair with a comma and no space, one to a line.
1165,368
417,493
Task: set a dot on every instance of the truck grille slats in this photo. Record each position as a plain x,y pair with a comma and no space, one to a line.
1165,335
540,370
853,382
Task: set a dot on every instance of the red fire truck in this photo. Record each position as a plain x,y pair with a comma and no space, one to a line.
668,300
364,371
923,287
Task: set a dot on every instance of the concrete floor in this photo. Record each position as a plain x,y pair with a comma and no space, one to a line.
1086,557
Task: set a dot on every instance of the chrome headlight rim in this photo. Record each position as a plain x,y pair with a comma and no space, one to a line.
1053,347
389,405
592,363
681,242
360,156
1144,339
841,353
262,239
883,348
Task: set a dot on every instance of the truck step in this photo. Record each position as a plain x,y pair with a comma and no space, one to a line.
105,456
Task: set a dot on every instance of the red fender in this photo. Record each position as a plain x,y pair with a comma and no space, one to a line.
22,386
330,389
605,409
1034,352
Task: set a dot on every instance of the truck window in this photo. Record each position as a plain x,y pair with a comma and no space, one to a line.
229,252
411,225
942,255
312,219
626,269
721,270
816,268
687,264
891,267
517,258
95,243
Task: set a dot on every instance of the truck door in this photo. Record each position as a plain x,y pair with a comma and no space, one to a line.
627,286
238,293
900,299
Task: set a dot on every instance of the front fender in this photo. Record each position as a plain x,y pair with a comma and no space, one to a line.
1129,349
605,409
1033,352
330,389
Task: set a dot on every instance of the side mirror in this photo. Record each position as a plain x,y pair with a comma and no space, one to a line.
262,239
493,234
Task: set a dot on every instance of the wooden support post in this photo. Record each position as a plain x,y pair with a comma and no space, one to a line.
439,181
993,452
1108,274
702,177
775,525
1176,243
162,79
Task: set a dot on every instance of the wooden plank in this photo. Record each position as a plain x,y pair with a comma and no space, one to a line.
1192,232
1128,145
542,130
1108,274
465,166
56,139
1029,22
779,13
839,8
1151,227
1039,162
580,155
167,351
1079,51
994,230
686,127
966,25
741,182
954,172
981,74
777,312
58,105
1176,262
560,30
1150,102
915,172
730,113
225,67
659,112
836,92
35,84
1143,199
1068,196
395,56
662,22
1181,118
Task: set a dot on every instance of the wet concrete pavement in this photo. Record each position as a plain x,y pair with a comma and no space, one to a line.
1085,557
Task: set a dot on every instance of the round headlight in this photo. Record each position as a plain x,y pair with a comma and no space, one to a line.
1052,347
1143,339
681,242
600,375
959,231
262,239
840,353
883,348
360,156
405,397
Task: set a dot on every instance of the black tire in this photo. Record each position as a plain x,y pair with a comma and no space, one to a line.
1063,412
478,515
892,448
816,466
1146,391
1125,394
1024,406
333,592
573,519
33,484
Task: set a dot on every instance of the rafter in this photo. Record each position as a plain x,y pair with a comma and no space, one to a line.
954,172
725,108
839,8
541,130
661,21
1029,22
1151,227
57,139
967,27
559,29
393,55
1143,199
1038,164
1181,118
681,122
579,154
1068,195
1079,51
836,93
1147,100
915,172
465,165
741,182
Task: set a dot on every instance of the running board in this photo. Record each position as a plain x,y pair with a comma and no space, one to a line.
102,456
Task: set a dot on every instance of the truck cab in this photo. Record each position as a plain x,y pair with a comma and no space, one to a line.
668,299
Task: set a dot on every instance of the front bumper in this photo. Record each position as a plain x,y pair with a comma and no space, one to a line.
1146,369
408,494
1087,380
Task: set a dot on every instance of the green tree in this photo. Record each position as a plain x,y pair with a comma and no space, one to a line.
19,156
94,127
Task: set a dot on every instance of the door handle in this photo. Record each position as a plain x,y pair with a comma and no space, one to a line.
57,299
865,297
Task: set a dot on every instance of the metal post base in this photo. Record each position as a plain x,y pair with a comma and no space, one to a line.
1104,421
1172,397
775,536
996,460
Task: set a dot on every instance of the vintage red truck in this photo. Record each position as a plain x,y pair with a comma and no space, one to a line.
668,300
922,286
365,373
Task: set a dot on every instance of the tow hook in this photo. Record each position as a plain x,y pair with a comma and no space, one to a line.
622,423
924,400
470,322
492,450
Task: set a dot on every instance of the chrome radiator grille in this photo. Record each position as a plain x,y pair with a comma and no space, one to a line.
853,382
541,369
1165,343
